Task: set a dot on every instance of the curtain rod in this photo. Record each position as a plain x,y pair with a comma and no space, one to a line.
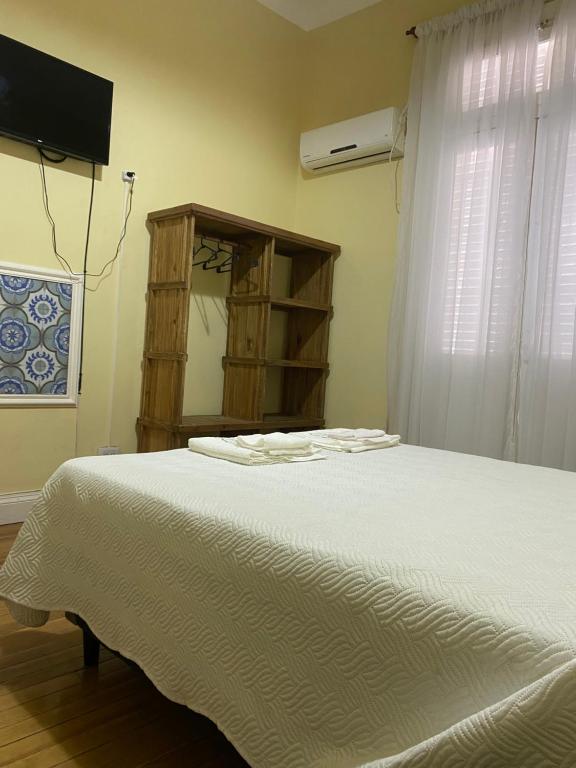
412,31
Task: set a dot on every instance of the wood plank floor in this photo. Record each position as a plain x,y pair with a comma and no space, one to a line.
53,712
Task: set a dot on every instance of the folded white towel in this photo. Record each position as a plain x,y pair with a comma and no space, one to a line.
350,446
305,452
350,434
324,438
218,448
225,448
276,442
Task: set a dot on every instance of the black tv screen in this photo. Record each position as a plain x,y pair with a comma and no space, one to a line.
53,104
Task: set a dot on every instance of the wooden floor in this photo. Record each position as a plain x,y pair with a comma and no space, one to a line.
53,712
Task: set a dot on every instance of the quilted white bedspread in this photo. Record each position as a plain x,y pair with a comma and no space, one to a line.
405,607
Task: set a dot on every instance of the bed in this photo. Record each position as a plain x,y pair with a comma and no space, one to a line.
397,608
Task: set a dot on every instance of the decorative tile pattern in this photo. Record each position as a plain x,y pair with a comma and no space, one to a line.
35,318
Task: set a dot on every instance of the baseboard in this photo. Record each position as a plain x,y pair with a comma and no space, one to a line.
14,507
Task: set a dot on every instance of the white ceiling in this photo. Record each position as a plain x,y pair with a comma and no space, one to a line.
309,14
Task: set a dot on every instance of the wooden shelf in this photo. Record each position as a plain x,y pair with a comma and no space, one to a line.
298,304
248,299
297,364
216,424
167,286
227,226
280,303
281,421
277,345
273,363
203,425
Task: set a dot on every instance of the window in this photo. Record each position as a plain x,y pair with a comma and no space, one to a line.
481,234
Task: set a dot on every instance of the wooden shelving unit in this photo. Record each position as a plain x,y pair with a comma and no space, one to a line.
303,363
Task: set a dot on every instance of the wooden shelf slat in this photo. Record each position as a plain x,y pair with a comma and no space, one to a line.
279,420
243,360
275,363
145,421
279,303
248,299
166,355
168,286
298,304
210,222
217,424
297,364
213,420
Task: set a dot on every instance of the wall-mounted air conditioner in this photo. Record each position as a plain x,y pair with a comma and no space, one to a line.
361,140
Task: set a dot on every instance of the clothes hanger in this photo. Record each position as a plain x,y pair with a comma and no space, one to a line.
213,255
226,265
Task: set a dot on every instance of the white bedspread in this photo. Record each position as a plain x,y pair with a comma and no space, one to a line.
406,607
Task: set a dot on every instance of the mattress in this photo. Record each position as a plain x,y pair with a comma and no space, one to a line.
397,608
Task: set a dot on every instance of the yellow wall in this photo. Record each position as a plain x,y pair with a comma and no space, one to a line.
206,109
359,64
210,97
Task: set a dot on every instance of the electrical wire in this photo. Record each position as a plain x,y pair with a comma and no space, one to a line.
84,271
120,241
396,201
116,330
401,126
90,206
63,262
55,160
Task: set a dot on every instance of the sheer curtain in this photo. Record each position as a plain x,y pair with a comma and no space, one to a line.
458,308
547,389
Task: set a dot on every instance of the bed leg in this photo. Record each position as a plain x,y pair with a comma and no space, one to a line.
91,647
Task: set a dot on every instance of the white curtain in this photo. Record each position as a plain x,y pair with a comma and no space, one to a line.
482,354
547,388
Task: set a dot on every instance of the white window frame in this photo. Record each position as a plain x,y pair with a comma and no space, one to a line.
70,399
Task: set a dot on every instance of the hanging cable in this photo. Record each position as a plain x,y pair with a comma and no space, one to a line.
120,241
84,272
401,127
56,160
116,328
63,262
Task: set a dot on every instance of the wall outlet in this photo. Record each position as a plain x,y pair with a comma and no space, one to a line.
129,176
108,450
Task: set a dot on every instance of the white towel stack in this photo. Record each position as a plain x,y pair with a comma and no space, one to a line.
276,448
277,444
352,440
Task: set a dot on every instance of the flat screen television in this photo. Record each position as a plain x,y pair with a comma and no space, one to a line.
53,104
